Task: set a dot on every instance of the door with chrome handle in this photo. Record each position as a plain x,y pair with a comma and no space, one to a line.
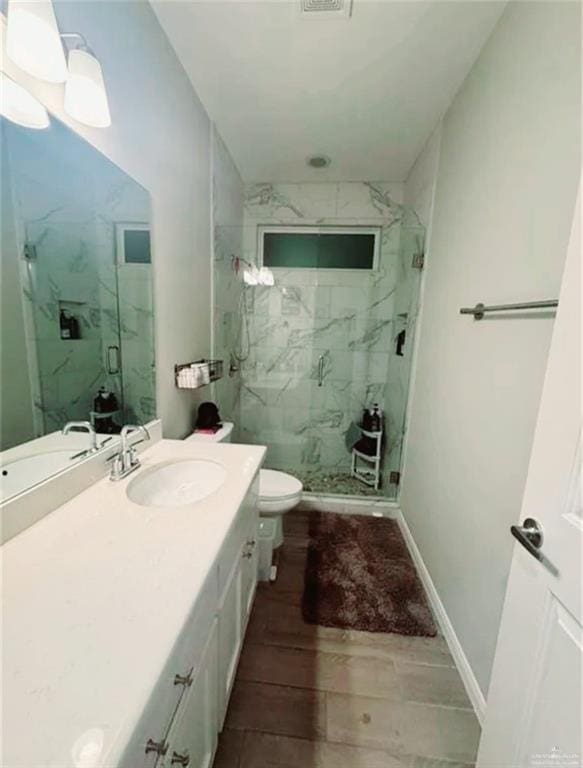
530,535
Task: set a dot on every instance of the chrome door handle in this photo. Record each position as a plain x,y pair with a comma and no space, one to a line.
320,370
530,535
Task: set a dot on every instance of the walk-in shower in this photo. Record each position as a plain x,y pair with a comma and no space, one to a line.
332,336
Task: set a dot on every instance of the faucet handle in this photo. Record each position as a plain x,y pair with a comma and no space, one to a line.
129,429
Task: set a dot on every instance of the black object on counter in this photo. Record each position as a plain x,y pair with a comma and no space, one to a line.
105,403
208,417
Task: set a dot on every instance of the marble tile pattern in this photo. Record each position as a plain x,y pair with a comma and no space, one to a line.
69,219
351,319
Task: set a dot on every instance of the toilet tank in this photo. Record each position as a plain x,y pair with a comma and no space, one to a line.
222,436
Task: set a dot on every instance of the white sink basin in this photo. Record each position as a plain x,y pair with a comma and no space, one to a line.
22,473
176,484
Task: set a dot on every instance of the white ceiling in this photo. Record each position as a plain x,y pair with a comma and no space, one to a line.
366,91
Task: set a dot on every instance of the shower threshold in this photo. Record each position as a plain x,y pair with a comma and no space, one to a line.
338,484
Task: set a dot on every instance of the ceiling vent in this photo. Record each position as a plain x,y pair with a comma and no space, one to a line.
326,9
318,161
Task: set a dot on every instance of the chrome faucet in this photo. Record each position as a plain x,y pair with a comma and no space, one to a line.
84,426
126,460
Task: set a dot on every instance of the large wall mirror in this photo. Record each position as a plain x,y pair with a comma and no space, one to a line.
77,316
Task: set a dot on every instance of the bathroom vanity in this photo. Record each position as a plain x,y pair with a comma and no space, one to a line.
123,622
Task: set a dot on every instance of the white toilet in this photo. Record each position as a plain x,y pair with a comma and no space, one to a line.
278,491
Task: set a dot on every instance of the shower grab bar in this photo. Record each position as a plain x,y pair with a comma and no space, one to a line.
480,309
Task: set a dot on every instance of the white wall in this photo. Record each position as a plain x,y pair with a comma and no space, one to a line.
419,192
506,188
161,137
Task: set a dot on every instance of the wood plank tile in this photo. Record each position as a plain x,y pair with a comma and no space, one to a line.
267,751
319,671
230,749
282,624
297,525
429,731
432,685
277,709
431,762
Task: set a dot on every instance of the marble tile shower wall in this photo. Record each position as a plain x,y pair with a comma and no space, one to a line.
352,319
227,214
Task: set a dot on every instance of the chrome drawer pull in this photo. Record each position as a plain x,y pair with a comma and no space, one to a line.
180,759
185,680
159,747
251,543
248,555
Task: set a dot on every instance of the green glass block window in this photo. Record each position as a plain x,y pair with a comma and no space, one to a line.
320,249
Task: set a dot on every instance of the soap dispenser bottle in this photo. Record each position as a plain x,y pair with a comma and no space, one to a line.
375,419
367,420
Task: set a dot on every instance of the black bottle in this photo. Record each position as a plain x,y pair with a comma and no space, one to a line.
74,327
367,420
375,419
64,324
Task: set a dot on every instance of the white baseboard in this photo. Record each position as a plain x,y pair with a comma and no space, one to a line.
463,665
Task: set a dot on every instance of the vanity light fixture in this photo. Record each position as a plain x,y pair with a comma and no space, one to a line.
33,41
19,106
85,94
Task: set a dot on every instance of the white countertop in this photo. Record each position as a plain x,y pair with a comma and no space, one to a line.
94,597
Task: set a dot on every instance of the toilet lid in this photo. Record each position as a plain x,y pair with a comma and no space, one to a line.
277,485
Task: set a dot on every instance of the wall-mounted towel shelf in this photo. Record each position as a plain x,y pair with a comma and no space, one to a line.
481,309
197,374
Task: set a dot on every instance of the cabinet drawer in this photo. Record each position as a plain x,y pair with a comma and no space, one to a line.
169,690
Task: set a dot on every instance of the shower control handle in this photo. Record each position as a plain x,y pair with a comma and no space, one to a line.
320,370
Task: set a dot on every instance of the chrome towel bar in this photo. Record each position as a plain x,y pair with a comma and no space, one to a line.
480,309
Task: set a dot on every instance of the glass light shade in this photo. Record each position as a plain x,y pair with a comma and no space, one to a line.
19,106
85,95
33,41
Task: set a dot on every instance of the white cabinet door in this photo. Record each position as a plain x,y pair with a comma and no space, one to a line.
230,634
250,566
192,740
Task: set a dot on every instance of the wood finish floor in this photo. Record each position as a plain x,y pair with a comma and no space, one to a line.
316,697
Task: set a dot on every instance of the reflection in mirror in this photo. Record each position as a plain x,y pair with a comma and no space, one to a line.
77,338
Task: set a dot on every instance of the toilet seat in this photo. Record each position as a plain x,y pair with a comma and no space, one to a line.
278,486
